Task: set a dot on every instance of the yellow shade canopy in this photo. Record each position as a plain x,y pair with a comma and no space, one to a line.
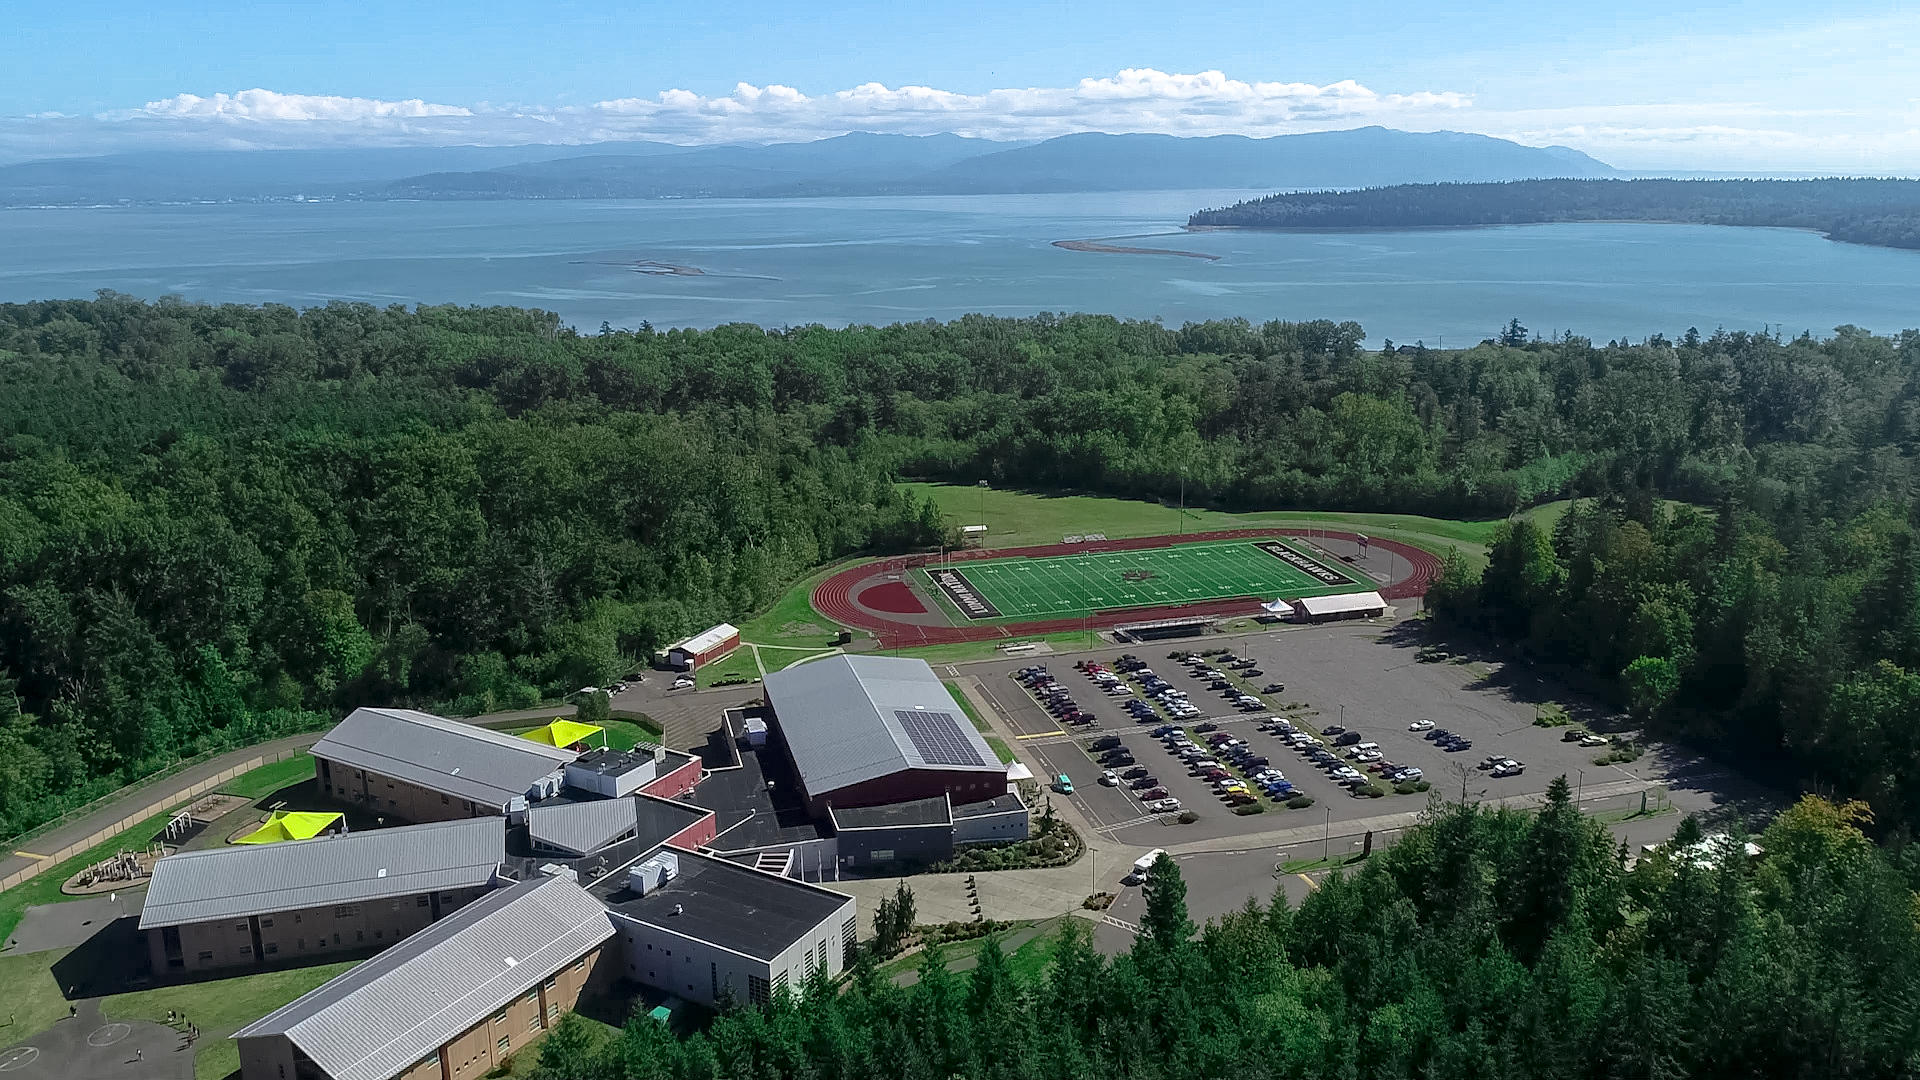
562,732
290,825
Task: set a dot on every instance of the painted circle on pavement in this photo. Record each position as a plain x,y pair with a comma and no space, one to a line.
18,1057
109,1035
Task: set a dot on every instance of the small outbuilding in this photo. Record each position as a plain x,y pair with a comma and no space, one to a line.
709,645
1319,609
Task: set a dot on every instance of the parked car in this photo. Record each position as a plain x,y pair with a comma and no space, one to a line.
1164,806
1333,729
1348,738
1154,793
1109,778
1142,783
1105,742
1206,725
1064,785
1436,734
1420,725
1509,767
1135,772
1252,673
1274,688
1594,740
1458,745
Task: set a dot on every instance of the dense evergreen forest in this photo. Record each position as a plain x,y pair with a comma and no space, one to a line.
1881,212
1485,945
221,522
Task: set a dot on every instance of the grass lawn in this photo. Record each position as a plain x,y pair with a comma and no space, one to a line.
1016,518
34,1000
965,651
792,620
270,778
1028,960
999,746
741,665
221,1007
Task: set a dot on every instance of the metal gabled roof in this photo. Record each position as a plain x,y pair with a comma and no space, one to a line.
234,882
839,718
440,754
582,827
377,1019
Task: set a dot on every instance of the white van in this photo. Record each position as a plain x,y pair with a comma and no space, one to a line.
1141,865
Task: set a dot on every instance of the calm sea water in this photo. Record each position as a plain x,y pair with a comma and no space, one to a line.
881,260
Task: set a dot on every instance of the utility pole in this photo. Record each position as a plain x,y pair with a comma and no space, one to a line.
1326,842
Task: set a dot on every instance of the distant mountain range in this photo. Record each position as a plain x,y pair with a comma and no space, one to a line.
854,164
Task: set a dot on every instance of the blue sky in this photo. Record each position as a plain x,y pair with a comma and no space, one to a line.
1733,85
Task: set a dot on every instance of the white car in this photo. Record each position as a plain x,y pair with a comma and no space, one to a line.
1420,725
1367,755
1509,767
1164,806
682,683
1110,778
1594,740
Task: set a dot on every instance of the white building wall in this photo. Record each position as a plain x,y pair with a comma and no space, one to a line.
702,972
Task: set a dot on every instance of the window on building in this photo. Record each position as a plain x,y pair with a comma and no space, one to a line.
757,990
206,956
268,921
420,901
359,935
505,1044
346,911
272,948
533,1022
240,927
553,1010
443,800
302,944
246,950
500,1017
580,964
553,981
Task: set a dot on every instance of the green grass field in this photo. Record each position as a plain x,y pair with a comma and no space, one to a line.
221,1007
1071,585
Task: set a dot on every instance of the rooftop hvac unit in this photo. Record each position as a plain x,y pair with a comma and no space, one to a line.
756,731
517,810
653,873
545,788
556,870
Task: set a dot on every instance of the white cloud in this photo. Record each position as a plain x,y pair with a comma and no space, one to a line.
1137,99
268,105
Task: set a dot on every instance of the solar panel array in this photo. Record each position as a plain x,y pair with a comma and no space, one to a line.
938,737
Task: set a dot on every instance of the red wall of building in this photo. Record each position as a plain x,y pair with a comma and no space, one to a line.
695,836
963,787
718,652
676,783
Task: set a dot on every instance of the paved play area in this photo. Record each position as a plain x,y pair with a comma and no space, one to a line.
1065,585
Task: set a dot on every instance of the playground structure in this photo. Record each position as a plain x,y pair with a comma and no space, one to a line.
122,870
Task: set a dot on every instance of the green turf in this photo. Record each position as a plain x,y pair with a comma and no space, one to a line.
270,778
1066,586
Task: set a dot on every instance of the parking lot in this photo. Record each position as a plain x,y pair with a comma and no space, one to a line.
1351,675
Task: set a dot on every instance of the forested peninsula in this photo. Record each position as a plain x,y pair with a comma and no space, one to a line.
221,522
1884,213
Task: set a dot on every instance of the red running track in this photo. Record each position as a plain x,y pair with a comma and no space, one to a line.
833,597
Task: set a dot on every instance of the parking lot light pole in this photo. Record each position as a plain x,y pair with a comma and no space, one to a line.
1326,842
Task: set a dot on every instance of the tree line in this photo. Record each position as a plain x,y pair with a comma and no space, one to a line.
221,522
1485,944
1885,213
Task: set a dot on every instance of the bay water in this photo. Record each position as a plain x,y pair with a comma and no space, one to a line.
880,260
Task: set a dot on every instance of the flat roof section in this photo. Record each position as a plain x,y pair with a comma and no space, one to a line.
1342,604
1000,804
918,812
440,755
850,719
760,804
380,1017
726,904
237,881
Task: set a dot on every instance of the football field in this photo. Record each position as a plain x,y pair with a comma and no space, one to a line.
1067,585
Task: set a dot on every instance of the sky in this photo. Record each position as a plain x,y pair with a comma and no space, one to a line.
1733,85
